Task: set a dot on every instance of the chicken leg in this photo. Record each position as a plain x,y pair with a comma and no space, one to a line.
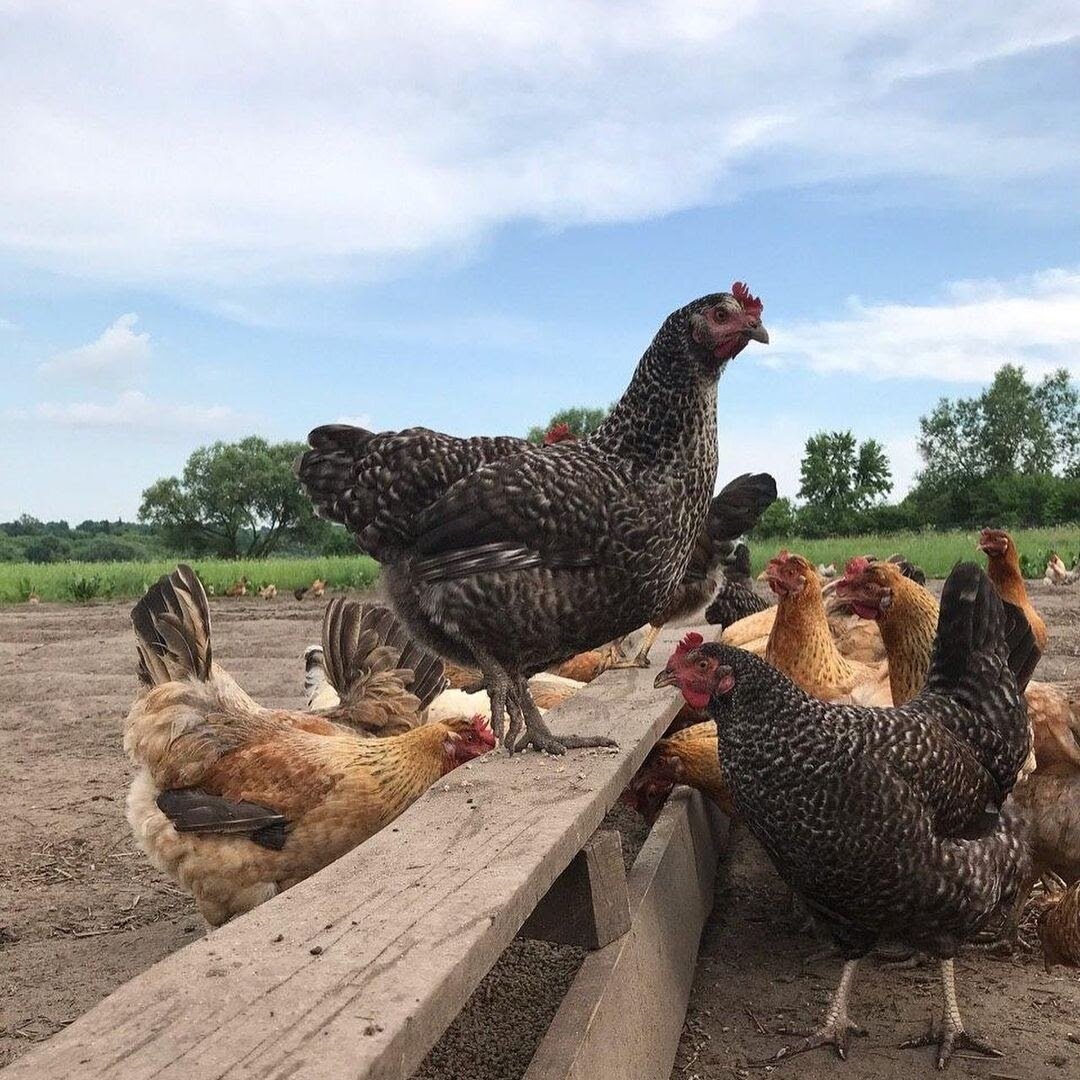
641,660
539,735
838,1027
949,1034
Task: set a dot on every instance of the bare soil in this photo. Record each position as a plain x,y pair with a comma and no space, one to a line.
81,911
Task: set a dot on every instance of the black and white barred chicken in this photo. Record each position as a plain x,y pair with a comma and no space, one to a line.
733,511
889,824
511,557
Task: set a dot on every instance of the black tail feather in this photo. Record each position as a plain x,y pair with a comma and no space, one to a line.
739,505
172,629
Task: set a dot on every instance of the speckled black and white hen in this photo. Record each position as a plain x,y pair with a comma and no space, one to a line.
888,823
734,510
512,557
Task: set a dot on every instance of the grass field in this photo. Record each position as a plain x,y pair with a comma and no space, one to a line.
125,581
936,553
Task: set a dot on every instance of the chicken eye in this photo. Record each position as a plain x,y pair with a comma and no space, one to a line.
703,665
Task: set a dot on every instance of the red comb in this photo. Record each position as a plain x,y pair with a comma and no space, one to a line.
559,433
859,565
691,641
750,304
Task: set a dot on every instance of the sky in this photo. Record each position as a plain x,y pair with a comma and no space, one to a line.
256,217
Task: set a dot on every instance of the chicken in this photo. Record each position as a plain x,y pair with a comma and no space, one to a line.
908,617
687,756
237,588
732,512
801,644
1058,574
268,592
1050,797
357,676
237,802
732,603
1059,928
888,824
511,558
315,590
1003,566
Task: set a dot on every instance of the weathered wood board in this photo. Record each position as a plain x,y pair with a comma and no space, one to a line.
357,971
623,1014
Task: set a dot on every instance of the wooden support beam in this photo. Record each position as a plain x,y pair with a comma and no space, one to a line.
623,1014
588,904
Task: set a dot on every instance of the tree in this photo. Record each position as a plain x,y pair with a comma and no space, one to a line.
233,499
581,420
840,478
1013,428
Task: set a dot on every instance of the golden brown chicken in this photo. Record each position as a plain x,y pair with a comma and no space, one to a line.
688,756
1059,928
1003,569
268,592
237,588
801,644
1051,797
237,802
357,676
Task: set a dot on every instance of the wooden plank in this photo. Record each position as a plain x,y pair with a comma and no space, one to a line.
357,971
588,905
624,1012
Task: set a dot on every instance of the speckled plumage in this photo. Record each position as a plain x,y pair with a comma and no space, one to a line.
877,817
511,557
733,602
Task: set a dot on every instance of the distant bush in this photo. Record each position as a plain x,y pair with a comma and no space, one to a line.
88,588
47,549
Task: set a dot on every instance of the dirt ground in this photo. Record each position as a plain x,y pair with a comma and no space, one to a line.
754,978
81,911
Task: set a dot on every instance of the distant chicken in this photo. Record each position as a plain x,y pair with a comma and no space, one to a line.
237,588
801,644
1057,573
732,512
687,756
889,824
1059,928
1003,566
268,592
511,558
358,675
237,802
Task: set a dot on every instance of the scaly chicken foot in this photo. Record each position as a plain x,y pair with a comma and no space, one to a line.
641,660
949,1033
497,683
539,735
837,1029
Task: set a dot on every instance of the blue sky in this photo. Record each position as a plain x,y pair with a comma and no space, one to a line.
257,217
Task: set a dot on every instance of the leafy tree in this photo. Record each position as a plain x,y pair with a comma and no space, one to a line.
1012,428
233,499
47,549
778,520
581,420
840,477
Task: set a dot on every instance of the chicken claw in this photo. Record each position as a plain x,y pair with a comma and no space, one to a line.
837,1029
539,735
949,1033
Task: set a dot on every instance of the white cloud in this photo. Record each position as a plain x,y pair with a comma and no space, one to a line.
363,420
134,410
119,356
226,143
965,337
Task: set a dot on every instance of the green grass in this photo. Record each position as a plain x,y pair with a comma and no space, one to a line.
129,580
935,552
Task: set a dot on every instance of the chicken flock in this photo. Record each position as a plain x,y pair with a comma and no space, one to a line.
908,779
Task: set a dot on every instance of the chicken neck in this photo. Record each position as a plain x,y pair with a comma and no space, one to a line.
802,647
908,628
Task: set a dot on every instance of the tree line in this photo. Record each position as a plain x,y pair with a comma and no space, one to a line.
1008,457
